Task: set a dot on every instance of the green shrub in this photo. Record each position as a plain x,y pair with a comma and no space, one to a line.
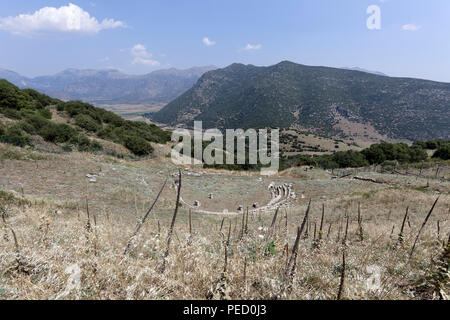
26,113
326,162
108,134
349,159
111,118
432,144
86,122
389,165
74,108
11,113
41,99
15,136
417,154
37,121
47,114
138,145
378,153
49,132
11,97
420,144
26,126
60,106
82,142
57,133
443,152
96,146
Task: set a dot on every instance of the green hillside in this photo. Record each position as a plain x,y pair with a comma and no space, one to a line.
29,113
315,98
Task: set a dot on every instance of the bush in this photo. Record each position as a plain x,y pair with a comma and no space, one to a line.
111,118
96,146
389,165
432,144
41,99
26,113
83,142
26,126
138,145
37,121
15,136
57,133
11,113
74,108
11,97
420,144
49,132
108,134
60,106
378,153
443,152
349,159
45,113
417,154
326,162
86,122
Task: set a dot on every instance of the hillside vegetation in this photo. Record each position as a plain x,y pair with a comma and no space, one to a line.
385,154
29,113
325,100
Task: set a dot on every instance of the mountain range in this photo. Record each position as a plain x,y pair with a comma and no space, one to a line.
324,100
111,86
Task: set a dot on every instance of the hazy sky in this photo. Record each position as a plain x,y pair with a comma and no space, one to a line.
137,36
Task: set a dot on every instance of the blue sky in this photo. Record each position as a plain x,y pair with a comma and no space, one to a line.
139,36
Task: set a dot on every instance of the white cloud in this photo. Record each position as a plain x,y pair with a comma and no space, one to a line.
70,18
253,47
208,42
142,56
411,27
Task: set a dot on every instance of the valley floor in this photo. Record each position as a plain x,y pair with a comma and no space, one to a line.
51,248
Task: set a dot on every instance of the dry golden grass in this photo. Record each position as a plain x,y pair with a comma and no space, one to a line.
55,248
50,249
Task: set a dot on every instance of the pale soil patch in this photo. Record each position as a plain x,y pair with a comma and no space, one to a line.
312,140
363,133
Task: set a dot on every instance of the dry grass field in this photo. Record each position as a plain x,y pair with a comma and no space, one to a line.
64,237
